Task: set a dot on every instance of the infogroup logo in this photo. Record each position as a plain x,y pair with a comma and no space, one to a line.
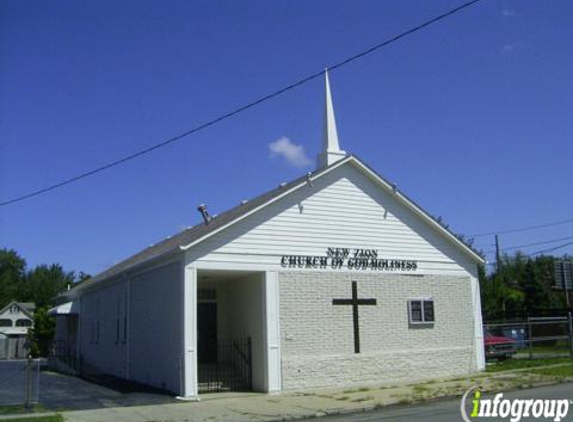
512,409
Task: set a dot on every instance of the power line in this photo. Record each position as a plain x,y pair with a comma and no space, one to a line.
523,229
238,110
544,242
541,251
551,249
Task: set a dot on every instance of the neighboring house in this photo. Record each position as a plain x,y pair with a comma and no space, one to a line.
15,320
334,279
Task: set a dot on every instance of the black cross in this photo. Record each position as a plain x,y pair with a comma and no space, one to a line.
355,302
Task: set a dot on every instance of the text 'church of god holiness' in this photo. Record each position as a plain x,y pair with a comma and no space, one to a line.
334,279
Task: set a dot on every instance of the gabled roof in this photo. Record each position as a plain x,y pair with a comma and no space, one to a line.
190,235
200,232
26,307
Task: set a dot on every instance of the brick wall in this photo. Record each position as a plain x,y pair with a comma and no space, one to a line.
318,342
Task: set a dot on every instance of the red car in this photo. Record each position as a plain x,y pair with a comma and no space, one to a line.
498,347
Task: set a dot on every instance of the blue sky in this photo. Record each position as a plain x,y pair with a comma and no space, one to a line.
472,117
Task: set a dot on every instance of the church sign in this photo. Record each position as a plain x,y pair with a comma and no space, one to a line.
351,258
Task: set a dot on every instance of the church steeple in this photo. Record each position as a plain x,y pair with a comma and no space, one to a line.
331,151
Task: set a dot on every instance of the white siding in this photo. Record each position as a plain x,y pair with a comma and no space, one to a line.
148,307
156,327
101,351
344,208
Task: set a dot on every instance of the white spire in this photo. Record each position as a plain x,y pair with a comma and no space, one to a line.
331,151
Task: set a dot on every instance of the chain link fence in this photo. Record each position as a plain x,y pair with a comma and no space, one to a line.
19,382
531,338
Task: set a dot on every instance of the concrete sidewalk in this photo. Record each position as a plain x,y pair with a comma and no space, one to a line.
235,407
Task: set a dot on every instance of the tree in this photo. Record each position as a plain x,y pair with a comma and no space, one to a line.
42,284
12,271
42,333
522,286
499,298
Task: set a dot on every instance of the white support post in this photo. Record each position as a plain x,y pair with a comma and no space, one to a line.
189,315
478,324
272,338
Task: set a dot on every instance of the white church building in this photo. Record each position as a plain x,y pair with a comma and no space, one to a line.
334,279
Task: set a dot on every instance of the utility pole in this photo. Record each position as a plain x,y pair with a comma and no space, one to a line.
565,280
497,254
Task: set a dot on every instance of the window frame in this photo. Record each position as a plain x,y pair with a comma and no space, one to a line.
422,301
19,321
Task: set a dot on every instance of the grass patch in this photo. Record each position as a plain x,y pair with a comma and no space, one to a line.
357,390
420,388
559,371
512,364
51,418
361,399
20,408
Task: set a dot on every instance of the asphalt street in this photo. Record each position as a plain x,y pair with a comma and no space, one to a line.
449,410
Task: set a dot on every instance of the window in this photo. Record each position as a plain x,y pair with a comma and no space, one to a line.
23,323
117,320
125,317
121,320
421,311
5,322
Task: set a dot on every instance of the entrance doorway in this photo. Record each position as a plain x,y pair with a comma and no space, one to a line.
207,332
230,314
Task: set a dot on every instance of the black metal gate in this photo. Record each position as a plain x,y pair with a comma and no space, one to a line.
231,370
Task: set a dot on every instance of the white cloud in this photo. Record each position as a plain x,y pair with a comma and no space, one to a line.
508,13
294,154
513,47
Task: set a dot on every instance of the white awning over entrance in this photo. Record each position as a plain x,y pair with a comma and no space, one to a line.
65,309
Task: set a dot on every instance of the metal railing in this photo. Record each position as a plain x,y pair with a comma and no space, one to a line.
230,369
64,358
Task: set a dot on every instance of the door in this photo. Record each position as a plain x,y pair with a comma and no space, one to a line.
207,332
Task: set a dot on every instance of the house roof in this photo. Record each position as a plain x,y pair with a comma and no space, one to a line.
195,234
26,307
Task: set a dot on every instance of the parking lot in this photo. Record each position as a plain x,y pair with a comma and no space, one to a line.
56,391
